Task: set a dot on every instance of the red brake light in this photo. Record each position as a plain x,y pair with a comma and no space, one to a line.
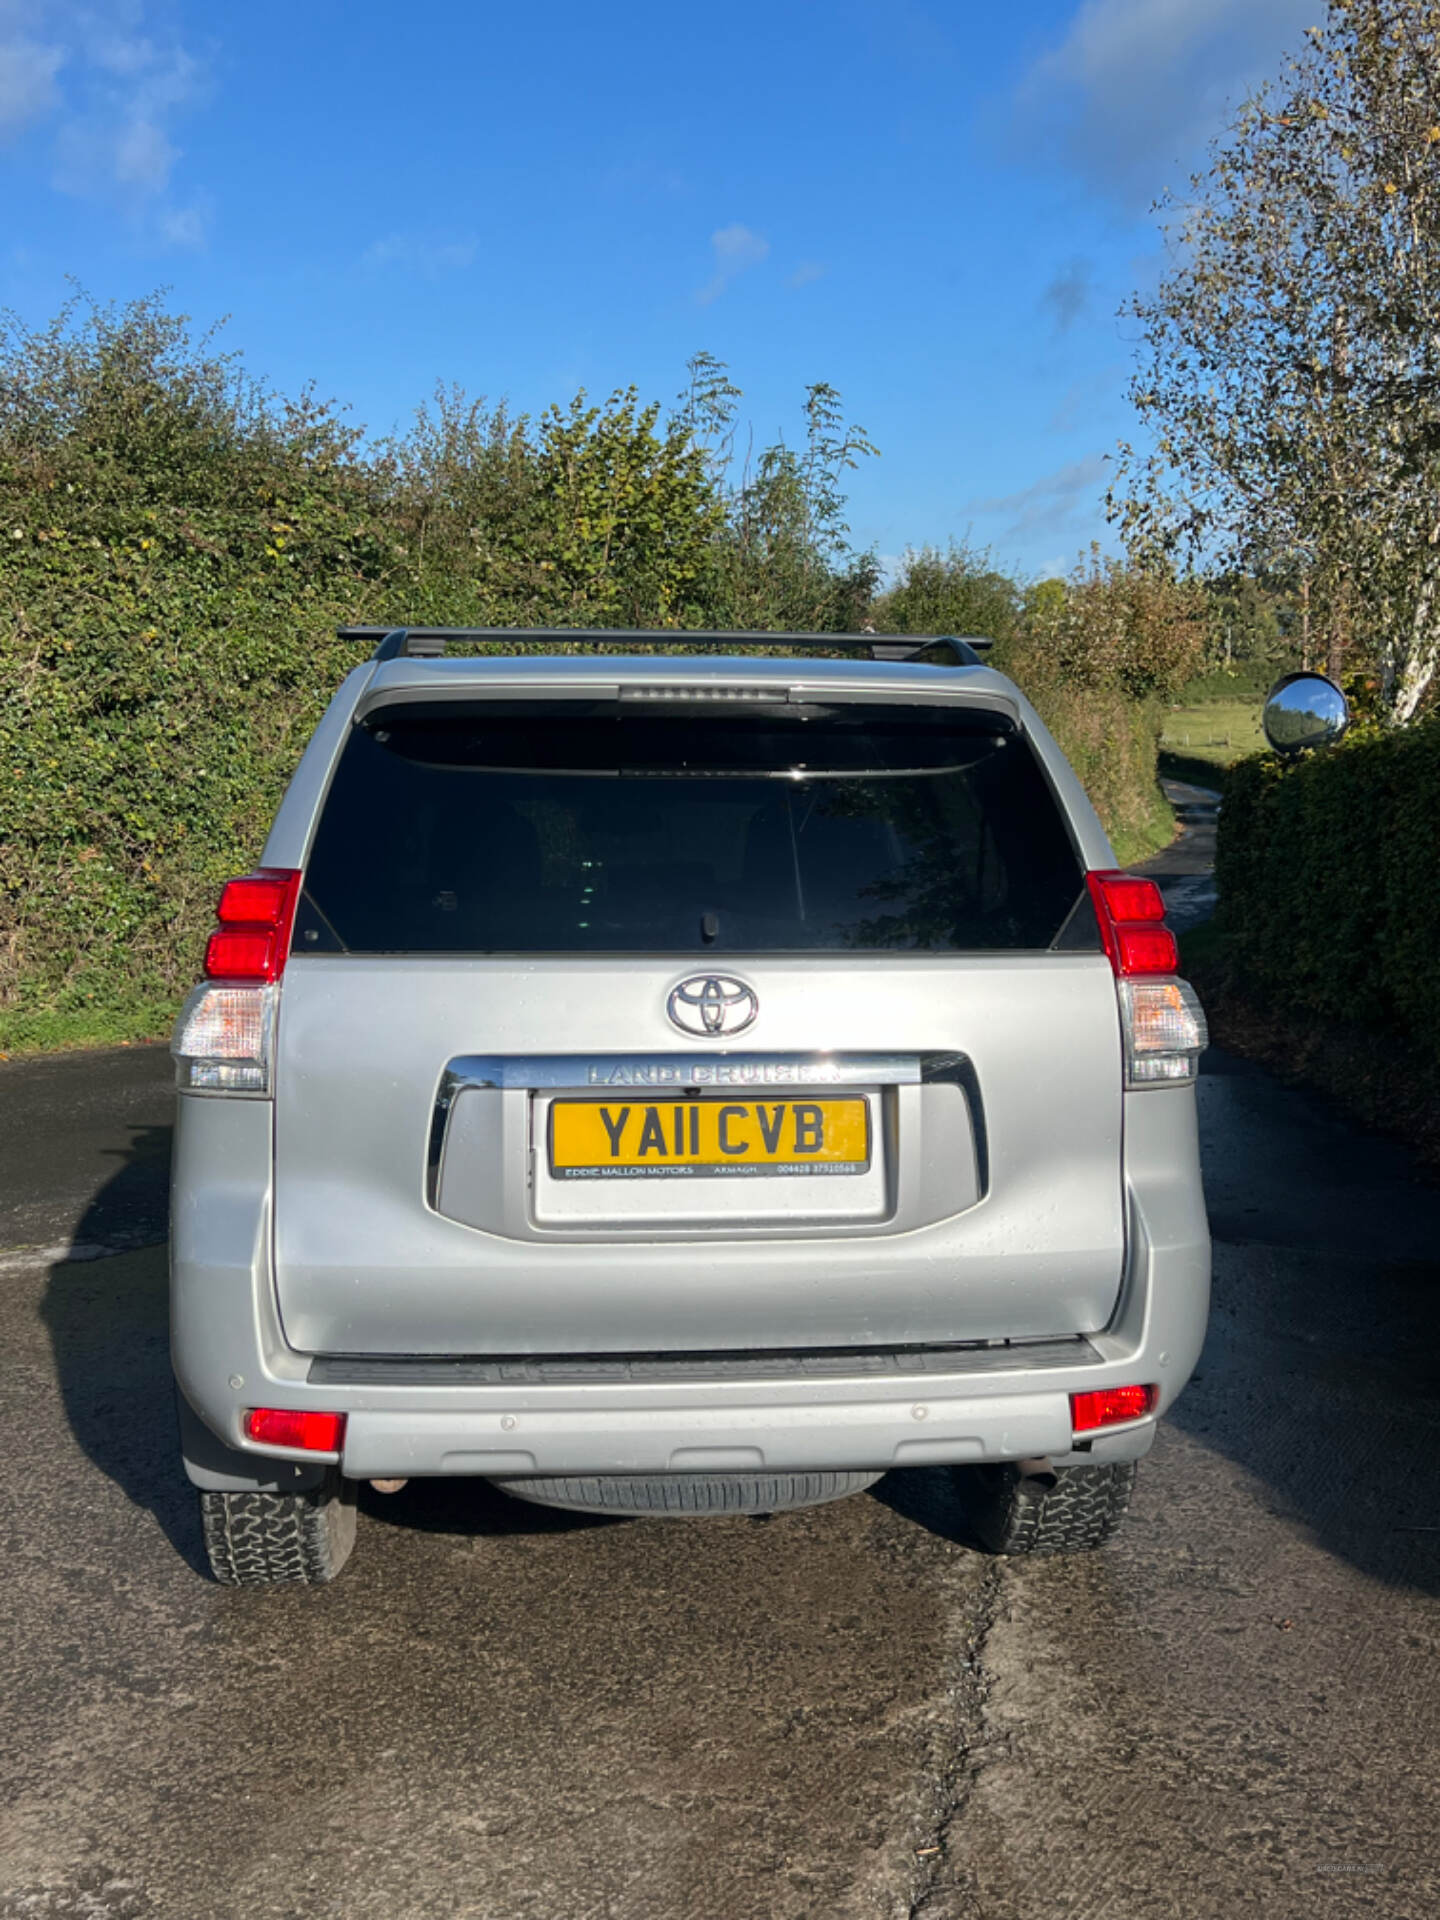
256,914
1129,898
257,896
240,954
1108,1406
1147,950
1131,913
283,1427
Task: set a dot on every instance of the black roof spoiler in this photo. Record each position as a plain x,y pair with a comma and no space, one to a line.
429,643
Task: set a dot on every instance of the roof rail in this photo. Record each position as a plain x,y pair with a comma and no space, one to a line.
428,643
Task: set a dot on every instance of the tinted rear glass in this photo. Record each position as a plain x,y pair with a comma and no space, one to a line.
607,827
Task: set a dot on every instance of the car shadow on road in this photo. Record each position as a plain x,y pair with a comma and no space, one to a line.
932,1498
108,1321
928,1497
462,1506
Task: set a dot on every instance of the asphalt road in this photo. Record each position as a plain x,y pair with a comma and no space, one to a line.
501,1713
1185,870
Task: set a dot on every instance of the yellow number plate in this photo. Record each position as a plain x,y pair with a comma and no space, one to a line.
669,1139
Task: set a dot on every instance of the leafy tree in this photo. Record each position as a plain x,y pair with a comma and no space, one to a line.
1289,365
706,410
783,559
630,513
462,494
1121,624
957,591
1250,620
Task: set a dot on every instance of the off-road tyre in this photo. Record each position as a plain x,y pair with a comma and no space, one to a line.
1069,1510
684,1495
279,1539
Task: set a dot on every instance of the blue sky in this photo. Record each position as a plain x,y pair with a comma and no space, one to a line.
936,206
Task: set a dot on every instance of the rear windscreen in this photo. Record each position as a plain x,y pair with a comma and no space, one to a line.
610,827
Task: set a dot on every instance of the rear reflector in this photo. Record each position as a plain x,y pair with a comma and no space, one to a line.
1131,912
283,1427
256,914
1109,1406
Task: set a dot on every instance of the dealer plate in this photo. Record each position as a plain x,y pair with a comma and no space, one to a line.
707,1139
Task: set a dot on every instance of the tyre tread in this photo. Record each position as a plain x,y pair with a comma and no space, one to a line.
1017,1514
255,1539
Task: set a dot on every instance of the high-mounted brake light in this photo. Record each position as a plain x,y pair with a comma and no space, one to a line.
284,1427
256,914
1109,1406
1131,913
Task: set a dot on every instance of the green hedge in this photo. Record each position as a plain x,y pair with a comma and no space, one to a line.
1110,738
1328,871
176,550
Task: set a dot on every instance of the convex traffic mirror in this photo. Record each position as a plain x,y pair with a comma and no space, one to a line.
1305,710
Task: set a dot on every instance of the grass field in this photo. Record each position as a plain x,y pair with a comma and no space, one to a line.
1214,722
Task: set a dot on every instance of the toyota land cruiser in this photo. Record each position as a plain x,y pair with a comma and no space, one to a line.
661,1081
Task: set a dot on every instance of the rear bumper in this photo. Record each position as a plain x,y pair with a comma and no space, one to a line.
1011,1412
230,1354
950,1425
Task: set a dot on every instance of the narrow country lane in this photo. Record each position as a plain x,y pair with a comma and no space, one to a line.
1185,870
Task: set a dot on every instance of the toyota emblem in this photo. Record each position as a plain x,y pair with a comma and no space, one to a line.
712,1003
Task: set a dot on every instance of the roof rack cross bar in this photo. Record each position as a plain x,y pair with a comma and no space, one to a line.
429,643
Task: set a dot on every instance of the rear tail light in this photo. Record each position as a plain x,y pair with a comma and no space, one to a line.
1131,913
1165,1031
224,1038
256,914
1109,1406
1164,1027
284,1427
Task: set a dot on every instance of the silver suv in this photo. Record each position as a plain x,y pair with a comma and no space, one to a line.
666,1083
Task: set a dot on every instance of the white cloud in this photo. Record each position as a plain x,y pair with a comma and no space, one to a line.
1131,93
807,273
144,156
736,249
415,254
112,94
1050,503
27,83
114,140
